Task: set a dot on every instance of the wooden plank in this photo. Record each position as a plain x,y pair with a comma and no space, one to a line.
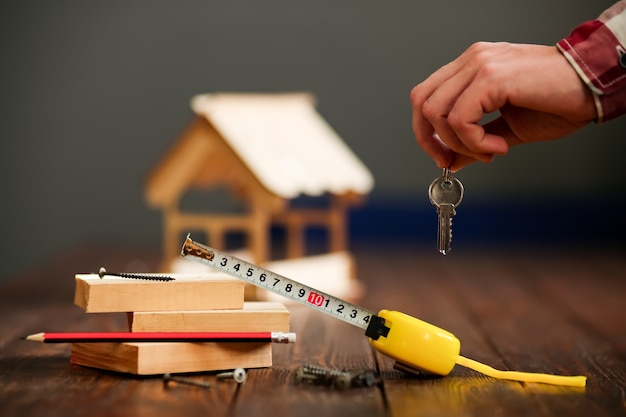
160,358
254,317
188,292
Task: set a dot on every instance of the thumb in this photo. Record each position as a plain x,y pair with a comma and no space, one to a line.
499,127
496,127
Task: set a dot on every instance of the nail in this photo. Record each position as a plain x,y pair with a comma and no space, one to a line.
167,378
239,375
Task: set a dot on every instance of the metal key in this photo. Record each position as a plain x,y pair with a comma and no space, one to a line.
445,193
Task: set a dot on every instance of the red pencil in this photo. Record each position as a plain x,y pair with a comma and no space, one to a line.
275,337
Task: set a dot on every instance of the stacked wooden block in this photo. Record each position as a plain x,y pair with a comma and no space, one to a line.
208,303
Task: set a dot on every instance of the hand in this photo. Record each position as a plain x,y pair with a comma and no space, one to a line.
537,92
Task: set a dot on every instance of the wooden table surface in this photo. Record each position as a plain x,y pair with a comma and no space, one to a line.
519,309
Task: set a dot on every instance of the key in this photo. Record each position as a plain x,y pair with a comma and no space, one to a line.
445,193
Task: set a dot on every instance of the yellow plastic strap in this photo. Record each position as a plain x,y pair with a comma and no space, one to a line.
571,381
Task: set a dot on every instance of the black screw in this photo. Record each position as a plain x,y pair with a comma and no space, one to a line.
152,277
167,378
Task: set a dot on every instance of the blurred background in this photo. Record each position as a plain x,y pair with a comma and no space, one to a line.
94,93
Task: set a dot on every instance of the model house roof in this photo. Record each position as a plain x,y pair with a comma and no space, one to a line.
285,143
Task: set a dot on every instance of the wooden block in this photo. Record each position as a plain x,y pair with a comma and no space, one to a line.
160,358
254,317
187,292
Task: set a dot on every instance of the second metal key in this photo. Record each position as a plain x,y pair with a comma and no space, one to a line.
445,193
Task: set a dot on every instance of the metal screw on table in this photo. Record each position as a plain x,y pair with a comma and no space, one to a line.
239,375
102,272
167,378
327,376
334,378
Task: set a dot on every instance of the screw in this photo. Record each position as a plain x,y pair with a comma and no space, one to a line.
239,375
321,375
167,378
321,371
334,378
102,272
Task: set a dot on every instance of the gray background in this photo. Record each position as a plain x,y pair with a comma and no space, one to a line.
93,93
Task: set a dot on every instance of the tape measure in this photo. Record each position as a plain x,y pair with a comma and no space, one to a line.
277,284
417,346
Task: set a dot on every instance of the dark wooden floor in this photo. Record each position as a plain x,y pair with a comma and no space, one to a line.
528,309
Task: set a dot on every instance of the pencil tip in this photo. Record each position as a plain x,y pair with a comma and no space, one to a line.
37,337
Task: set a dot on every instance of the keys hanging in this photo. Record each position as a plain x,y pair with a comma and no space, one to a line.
445,193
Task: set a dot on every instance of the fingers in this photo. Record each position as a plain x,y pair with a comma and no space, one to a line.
482,96
423,129
454,119
496,128
459,161
448,108
430,141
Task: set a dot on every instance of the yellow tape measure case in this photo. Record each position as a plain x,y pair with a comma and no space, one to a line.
413,342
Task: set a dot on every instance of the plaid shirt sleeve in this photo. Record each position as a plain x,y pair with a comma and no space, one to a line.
597,51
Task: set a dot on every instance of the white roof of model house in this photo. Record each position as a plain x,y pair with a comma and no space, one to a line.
285,142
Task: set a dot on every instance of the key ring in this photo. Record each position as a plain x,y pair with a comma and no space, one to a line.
446,174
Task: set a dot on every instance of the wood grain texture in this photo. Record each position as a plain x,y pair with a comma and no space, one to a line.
520,309
161,358
187,292
255,316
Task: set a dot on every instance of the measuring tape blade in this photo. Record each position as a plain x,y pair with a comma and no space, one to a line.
278,284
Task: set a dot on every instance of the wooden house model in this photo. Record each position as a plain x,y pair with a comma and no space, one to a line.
266,149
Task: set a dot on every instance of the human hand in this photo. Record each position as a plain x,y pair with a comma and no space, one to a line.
539,96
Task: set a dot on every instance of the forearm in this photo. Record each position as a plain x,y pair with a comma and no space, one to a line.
597,51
